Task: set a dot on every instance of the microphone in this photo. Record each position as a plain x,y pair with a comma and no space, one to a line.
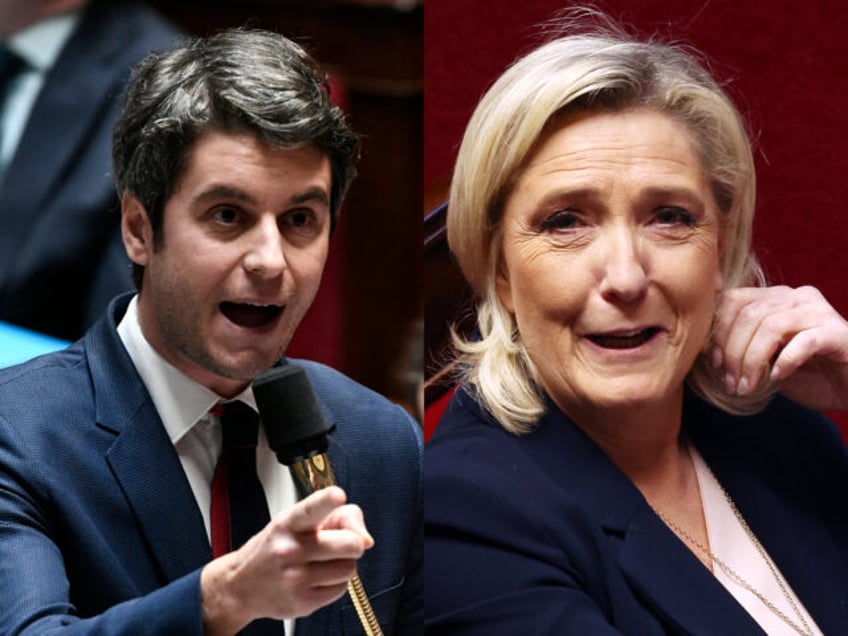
297,433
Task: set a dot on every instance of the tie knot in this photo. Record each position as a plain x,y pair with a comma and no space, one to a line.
10,64
240,424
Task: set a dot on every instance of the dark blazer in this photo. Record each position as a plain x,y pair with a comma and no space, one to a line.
542,534
100,532
60,240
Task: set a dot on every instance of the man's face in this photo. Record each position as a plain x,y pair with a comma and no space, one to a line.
242,248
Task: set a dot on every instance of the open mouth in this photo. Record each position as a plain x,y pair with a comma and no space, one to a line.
624,341
249,315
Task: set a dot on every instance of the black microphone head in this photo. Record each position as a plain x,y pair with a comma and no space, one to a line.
294,425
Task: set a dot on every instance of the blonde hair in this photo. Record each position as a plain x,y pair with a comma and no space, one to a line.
599,69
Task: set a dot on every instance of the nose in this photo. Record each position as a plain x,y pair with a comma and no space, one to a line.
265,255
624,266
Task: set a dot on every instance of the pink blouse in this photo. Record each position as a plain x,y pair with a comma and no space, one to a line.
731,543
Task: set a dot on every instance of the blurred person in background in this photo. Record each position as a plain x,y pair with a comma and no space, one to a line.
63,67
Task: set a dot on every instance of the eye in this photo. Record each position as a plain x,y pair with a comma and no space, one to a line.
226,215
562,221
299,218
303,224
674,216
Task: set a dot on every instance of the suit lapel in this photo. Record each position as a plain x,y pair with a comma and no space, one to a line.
159,495
779,515
662,571
668,576
142,458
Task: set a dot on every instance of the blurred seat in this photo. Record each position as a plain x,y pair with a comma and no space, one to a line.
19,345
448,302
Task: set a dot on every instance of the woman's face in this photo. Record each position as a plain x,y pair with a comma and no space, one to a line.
610,259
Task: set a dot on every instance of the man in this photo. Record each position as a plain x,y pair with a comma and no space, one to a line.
60,244
232,163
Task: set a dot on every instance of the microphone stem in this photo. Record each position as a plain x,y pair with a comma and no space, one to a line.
314,473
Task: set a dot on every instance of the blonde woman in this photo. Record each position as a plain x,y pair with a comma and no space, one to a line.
614,460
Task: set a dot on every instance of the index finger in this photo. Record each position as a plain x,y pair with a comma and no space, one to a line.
308,515
731,302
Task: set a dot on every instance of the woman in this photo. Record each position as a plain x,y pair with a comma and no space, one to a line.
612,462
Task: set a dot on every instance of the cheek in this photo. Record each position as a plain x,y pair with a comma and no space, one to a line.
307,267
694,278
702,268
548,293
201,266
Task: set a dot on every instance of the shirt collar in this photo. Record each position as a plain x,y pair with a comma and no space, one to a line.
41,43
180,401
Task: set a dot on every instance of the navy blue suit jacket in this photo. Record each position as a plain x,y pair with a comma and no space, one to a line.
100,532
542,534
60,239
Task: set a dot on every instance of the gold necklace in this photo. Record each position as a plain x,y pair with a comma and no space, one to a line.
730,572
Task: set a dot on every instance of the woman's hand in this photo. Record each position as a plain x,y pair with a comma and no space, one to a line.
792,336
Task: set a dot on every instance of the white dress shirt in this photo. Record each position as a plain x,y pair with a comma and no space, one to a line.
183,406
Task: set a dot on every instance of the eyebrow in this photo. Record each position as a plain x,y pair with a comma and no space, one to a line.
582,193
223,191
315,193
674,192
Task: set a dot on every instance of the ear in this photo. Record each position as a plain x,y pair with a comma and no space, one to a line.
503,285
136,230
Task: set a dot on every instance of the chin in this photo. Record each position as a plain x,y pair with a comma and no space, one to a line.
244,366
631,393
